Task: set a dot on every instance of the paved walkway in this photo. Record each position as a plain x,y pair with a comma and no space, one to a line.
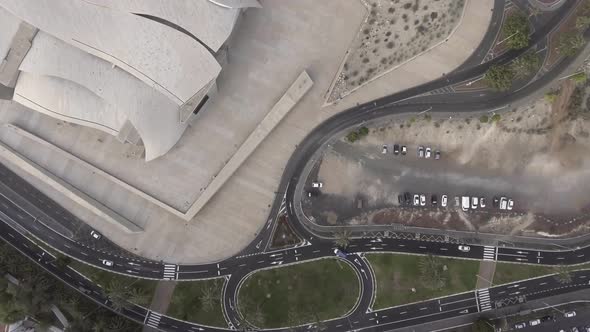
485,276
161,300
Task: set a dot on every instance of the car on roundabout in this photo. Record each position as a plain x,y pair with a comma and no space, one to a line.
339,253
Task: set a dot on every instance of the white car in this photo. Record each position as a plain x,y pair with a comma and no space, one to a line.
510,204
464,248
95,235
422,200
404,150
107,262
443,201
384,151
503,203
416,200
535,322
570,314
428,153
420,152
519,326
474,202
317,184
482,202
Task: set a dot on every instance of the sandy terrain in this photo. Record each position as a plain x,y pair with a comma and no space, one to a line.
536,154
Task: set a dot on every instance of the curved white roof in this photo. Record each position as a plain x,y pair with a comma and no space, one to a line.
8,27
168,60
236,3
114,95
210,23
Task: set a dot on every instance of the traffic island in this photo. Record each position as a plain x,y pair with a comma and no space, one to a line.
403,279
298,294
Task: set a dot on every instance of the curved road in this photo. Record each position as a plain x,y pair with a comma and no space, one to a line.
25,210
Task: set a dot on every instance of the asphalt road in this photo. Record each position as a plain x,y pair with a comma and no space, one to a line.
25,210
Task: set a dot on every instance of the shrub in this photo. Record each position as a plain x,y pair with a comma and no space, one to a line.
496,117
499,77
517,31
352,137
484,119
363,131
551,96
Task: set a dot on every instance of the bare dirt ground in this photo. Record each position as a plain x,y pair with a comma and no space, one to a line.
536,154
394,32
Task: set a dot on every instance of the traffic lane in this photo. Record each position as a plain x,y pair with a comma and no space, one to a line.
119,264
415,246
457,302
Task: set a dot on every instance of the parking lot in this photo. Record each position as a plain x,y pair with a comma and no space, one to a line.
485,179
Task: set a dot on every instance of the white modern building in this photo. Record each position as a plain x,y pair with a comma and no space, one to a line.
136,69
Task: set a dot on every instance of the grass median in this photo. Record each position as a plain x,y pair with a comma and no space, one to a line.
199,302
403,279
297,294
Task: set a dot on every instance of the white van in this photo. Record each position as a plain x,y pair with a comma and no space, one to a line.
503,203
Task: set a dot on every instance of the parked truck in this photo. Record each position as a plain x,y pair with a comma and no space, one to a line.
465,203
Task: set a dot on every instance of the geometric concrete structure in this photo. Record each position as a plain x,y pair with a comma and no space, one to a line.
135,69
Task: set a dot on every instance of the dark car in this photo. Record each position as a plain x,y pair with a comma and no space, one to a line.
396,149
433,199
496,202
437,155
548,318
400,199
408,198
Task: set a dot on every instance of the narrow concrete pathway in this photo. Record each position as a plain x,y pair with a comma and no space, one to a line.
161,300
485,276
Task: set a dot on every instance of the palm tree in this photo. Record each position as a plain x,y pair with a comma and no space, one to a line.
208,298
138,295
342,239
562,274
582,22
117,323
117,293
431,272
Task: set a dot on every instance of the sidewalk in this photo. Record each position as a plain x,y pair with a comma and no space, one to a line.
161,300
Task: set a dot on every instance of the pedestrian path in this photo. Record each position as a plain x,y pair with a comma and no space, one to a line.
483,300
153,319
170,272
489,253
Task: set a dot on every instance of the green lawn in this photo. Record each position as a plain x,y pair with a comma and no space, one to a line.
297,294
103,278
199,302
507,272
396,275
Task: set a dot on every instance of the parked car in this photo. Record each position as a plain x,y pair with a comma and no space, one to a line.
575,329
482,202
400,199
503,203
474,202
416,199
312,193
317,184
464,248
404,150
396,149
443,201
495,202
95,234
420,152
570,314
534,322
457,201
384,151
437,155
548,318
510,204
428,152
107,262
339,253
433,199
422,200
519,326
